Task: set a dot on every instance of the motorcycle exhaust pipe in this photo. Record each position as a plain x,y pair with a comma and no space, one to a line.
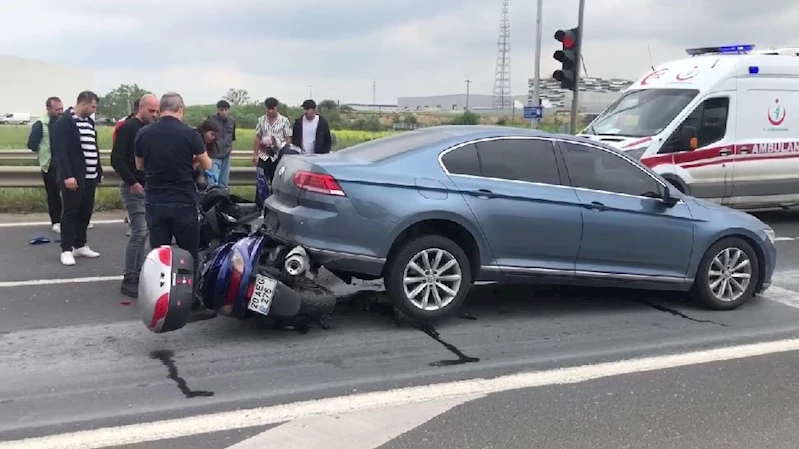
297,261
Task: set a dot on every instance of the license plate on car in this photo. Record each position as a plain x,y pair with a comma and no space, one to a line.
262,294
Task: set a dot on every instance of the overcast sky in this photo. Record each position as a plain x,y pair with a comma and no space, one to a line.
409,47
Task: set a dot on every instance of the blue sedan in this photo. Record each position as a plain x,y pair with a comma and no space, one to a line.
434,210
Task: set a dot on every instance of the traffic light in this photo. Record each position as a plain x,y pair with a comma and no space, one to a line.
567,56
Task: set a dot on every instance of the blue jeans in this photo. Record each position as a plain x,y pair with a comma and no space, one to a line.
221,168
134,251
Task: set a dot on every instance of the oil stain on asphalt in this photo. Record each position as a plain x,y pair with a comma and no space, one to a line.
167,357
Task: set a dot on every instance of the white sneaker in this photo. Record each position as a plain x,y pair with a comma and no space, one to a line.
57,228
91,225
85,251
67,258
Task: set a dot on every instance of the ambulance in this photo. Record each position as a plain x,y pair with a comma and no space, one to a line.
722,125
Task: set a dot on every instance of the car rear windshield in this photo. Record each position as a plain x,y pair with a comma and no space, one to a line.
386,147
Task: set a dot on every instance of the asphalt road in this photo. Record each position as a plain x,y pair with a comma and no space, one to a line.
75,356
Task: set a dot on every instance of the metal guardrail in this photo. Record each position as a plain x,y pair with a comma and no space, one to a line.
28,155
18,177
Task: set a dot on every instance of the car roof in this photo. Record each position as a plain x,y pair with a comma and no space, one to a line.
455,134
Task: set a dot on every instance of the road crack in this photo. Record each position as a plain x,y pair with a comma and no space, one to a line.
167,357
676,312
435,335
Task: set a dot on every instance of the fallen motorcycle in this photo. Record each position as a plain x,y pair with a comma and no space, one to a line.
243,274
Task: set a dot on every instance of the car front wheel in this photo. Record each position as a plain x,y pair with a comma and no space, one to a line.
727,275
428,278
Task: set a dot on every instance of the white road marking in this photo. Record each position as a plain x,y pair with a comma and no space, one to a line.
47,223
784,239
365,429
10,284
240,419
782,295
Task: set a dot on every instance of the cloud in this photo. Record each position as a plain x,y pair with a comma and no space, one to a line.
408,47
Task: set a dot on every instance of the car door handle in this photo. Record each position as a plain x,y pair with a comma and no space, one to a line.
725,152
595,205
483,193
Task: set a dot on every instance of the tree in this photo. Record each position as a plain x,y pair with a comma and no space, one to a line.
237,97
119,102
467,118
330,105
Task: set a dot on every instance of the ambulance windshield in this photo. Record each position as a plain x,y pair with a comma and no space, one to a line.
642,113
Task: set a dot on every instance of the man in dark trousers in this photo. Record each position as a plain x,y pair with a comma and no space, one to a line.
131,190
40,141
311,131
166,151
79,171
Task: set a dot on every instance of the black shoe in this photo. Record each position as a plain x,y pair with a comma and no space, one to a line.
130,288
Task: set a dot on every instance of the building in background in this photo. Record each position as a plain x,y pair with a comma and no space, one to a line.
595,94
480,104
362,107
25,84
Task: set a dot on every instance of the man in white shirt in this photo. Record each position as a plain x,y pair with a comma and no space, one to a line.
272,132
311,131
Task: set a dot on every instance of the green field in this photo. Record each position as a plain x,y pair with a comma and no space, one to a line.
15,137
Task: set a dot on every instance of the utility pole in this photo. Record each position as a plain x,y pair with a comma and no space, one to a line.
537,79
468,82
310,91
374,93
575,102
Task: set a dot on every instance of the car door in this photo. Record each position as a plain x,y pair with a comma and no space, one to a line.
709,169
531,220
625,230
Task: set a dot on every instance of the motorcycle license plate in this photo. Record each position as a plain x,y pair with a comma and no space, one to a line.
262,294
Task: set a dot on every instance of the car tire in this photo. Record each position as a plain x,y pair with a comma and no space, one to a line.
708,288
457,278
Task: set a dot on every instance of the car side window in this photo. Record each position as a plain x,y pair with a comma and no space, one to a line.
710,121
595,169
462,161
529,160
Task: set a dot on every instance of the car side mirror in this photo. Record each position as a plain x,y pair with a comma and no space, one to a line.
668,199
688,138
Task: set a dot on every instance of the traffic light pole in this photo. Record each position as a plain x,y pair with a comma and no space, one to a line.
537,80
578,60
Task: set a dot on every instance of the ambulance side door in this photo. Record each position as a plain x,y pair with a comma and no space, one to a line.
767,159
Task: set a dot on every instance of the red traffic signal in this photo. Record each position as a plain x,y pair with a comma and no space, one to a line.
567,37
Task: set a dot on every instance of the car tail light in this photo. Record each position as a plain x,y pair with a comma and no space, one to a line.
318,183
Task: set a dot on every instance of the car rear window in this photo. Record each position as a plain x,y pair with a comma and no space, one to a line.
386,147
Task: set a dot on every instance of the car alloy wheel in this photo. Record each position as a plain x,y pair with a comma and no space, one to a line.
432,279
729,274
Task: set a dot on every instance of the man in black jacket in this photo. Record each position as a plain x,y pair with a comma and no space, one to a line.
79,171
311,131
131,190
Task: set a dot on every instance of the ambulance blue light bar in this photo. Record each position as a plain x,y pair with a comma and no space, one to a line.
727,49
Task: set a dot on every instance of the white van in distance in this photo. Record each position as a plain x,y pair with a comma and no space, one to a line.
15,118
722,125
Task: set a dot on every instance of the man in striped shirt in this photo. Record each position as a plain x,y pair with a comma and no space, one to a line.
79,171
272,132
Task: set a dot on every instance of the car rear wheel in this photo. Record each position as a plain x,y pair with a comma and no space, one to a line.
727,275
428,278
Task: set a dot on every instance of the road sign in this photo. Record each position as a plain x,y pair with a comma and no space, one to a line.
533,112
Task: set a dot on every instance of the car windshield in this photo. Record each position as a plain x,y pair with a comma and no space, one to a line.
642,113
